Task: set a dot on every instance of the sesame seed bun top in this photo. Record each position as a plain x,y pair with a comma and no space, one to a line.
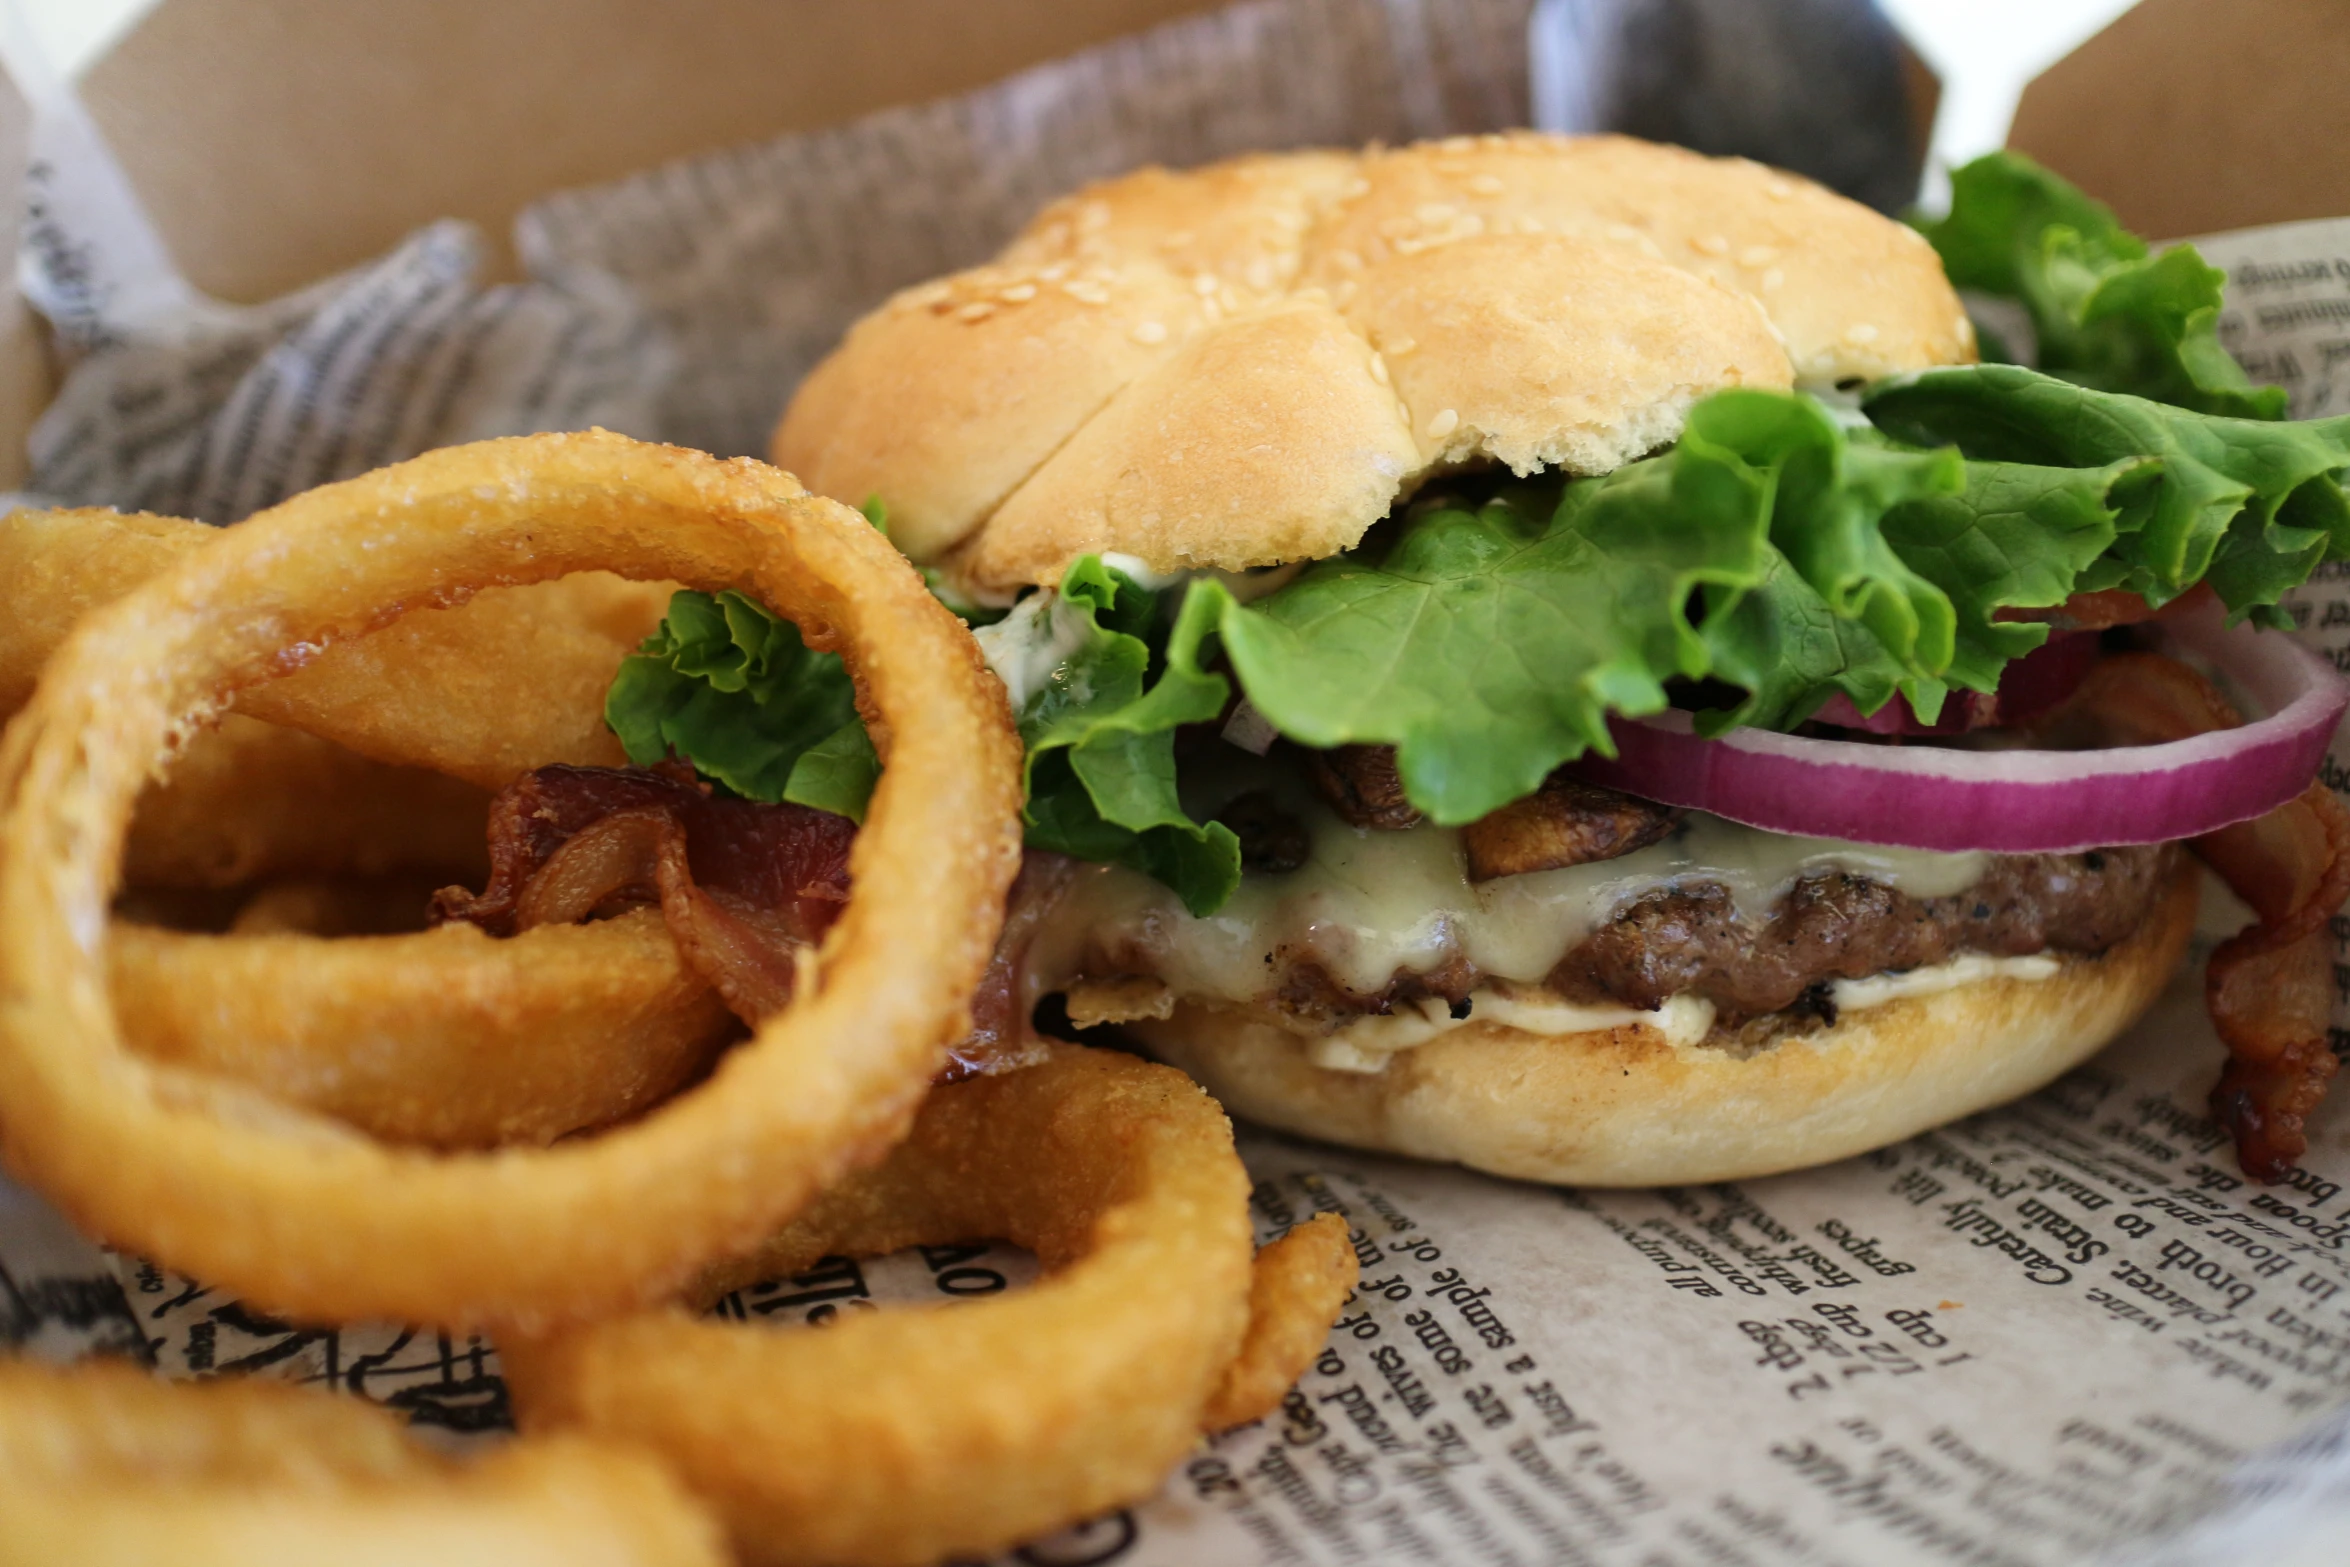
1250,363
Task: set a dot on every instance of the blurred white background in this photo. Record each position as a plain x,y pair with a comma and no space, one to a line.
1985,51
72,33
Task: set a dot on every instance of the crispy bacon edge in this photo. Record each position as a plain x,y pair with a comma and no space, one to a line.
2269,988
747,889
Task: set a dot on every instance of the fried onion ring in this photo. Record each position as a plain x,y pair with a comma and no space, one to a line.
446,1038
103,1464
904,1437
293,1212
1299,1285
436,690
251,801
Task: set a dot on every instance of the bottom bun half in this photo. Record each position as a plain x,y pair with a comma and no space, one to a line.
1626,1107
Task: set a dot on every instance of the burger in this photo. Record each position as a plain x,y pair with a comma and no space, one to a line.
1553,654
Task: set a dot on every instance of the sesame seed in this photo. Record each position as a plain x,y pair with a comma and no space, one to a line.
1150,331
1093,215
1378,368
1054,273
1203,284
1758,256
1446,421
1436,212
1346,261
1780,189
1019,293
1344,293
1403,413
1860,332
1260,273
1485,185
1772,279
977,310
1086,293
1399,346
1710,244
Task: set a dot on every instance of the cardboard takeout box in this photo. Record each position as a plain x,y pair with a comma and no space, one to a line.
276,141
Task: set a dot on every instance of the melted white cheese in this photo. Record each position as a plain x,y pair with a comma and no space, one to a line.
1369,905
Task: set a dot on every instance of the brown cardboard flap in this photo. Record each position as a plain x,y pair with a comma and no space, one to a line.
277,140
2192,116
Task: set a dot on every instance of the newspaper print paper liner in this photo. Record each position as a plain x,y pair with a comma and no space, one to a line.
2056,1332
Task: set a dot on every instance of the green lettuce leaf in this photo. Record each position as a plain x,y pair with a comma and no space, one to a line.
1771,551
2106,313
1838,609
1101,735
2250,505
734,690
1491,644
837,773
2016,536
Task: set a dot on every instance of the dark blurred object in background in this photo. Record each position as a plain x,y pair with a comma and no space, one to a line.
1823,87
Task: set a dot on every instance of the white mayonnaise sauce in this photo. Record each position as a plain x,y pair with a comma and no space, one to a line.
1026,646
1850,995
1368,1044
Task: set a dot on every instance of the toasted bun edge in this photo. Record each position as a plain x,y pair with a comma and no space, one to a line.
1623,1107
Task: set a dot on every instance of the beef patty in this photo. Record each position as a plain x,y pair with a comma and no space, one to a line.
1690,938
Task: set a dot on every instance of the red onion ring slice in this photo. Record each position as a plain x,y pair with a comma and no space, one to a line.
2008,802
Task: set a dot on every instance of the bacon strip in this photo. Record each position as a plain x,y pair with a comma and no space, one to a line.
1001,1008
747,889
744,887
2110,607
2269,988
